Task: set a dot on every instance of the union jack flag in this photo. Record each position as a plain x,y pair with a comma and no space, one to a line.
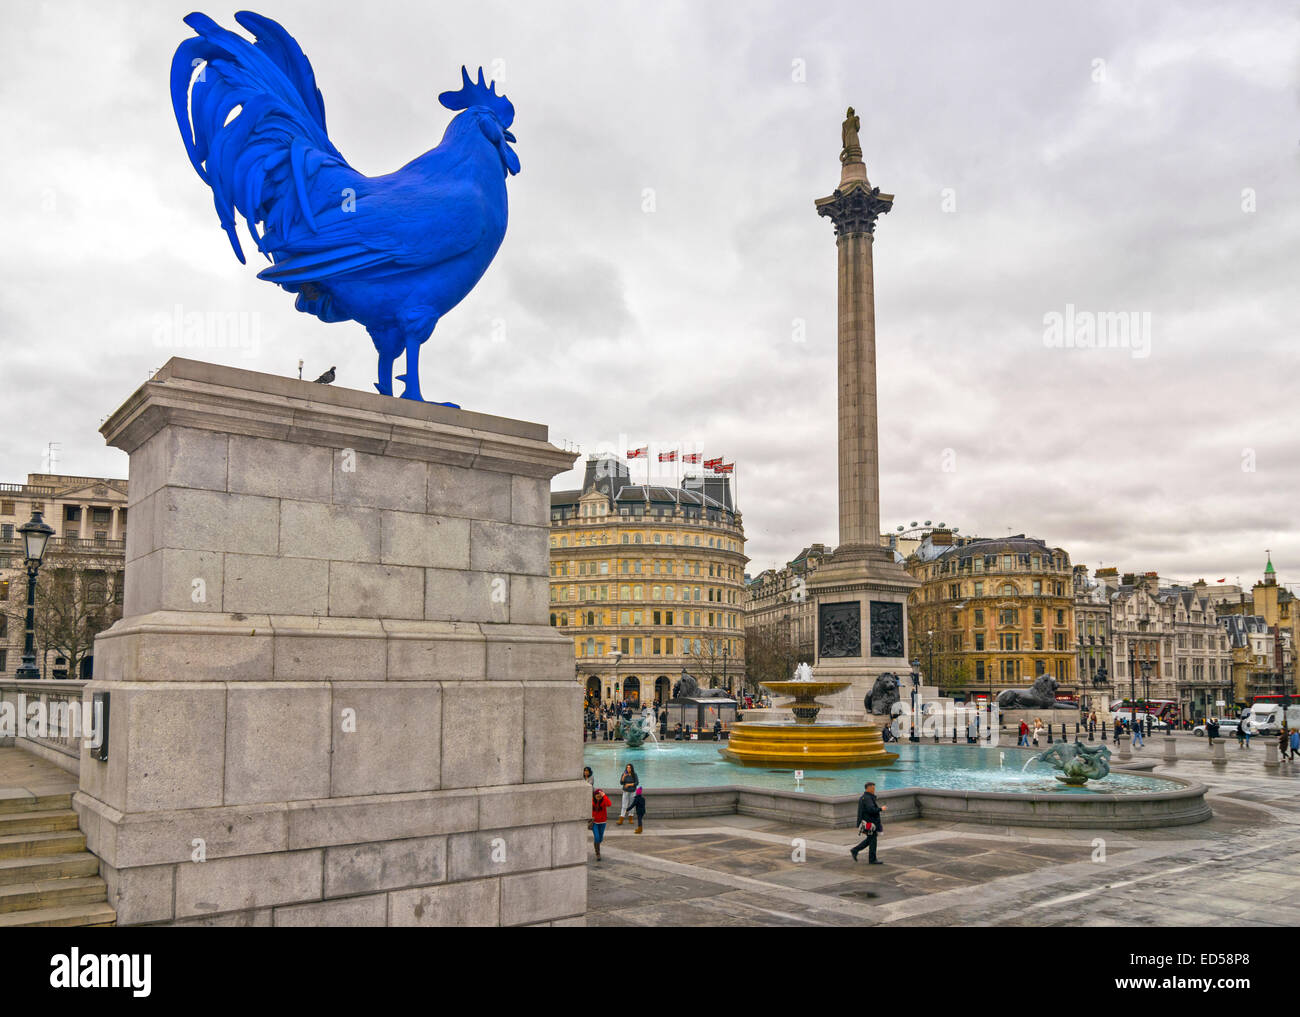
722,467
668,457
639,453
693,457
710,464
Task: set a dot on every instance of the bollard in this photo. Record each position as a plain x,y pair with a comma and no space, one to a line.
1091,729
1063,736
954,732
1270,754
1171,749
1124,752
1217,753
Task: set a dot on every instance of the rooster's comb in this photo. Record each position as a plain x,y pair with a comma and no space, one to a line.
477,93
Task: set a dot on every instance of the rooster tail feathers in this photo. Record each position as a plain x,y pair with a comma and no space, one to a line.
284,51
253,123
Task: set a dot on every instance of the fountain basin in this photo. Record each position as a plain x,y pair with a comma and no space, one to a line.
951,783
806,746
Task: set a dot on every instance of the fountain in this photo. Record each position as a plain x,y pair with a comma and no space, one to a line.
805,743
1078,762
639,728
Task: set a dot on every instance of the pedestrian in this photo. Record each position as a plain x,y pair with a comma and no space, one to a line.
586,774
1038,726
600,804
1283,742
1212,730
677,731
638,806
1241,735
1024,733
1137,734
629,782
1092,724
870,823
1244,728
1119,729
1295,742
717,730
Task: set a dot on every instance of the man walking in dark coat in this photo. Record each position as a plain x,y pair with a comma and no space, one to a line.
869,814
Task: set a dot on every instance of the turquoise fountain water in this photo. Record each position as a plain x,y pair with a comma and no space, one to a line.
952,767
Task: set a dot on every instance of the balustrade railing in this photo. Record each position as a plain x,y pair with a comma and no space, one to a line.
44,711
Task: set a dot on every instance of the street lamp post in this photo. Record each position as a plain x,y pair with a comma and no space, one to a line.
618,656
916,684
929,673
36,535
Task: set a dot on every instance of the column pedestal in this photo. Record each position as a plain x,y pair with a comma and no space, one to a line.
334,695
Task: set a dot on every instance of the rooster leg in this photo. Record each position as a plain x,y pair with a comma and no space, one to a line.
412,375
385,383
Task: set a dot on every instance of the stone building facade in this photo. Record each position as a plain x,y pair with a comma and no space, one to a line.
89,517
778,599
992,614
1264,659
1167,644
647,580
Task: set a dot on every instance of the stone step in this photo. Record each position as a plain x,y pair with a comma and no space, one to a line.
12,801
29,845
42,821
52,893
66,866
71,915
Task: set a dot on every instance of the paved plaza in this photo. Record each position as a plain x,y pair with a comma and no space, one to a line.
1241,868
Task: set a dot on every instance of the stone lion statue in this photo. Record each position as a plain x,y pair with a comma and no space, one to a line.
1078,762
883,695
1040,696
688,688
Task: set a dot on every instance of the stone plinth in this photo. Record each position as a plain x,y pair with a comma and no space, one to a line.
335,697
847,586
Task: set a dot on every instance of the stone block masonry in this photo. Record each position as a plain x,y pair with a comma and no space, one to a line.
336,699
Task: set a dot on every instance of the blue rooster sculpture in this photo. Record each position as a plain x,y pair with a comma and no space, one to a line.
393,253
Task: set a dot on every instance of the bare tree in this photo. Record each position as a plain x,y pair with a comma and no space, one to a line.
710,665
771,654
76,599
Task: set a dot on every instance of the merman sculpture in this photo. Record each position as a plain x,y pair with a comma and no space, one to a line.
1080,763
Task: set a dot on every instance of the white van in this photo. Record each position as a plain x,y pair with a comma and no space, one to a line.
1267,718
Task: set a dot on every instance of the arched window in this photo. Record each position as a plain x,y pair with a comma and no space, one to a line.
1008,589
564,619
552,619
668,593
591,620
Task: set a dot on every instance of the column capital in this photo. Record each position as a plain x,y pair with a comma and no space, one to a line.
854,208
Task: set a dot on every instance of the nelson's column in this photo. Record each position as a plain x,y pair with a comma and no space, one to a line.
861,592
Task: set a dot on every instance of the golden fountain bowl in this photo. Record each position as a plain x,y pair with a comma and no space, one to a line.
805,743
807,746
806,690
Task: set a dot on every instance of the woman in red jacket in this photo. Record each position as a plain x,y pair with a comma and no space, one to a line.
600,804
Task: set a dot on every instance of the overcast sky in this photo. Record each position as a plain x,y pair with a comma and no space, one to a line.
665,279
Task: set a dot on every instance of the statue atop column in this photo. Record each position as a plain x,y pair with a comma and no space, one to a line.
852,151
